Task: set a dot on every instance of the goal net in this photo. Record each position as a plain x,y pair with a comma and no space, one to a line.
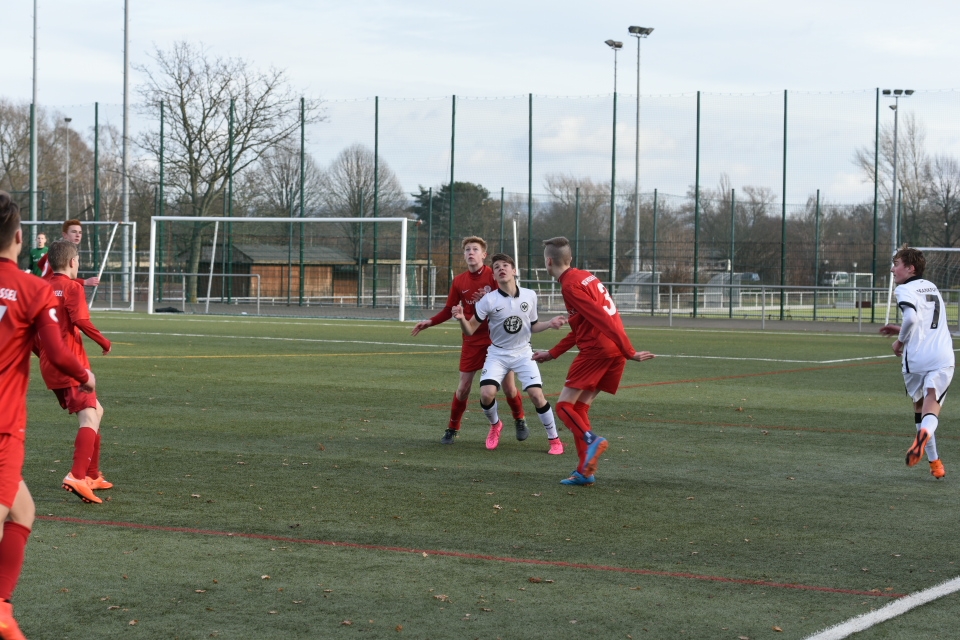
102,255
320,267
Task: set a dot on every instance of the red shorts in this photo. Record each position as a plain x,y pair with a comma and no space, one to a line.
74,400
472,357
11,468
596,374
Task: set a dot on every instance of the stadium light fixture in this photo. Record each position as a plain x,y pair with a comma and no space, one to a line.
66,142
638,33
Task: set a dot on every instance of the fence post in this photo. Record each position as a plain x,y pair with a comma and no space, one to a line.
733,208
576,226
430,232
303,136
228,238
655,291
696,213
783,217
876,204
670,304
453,138
613,191
530,188
763,307
376,188
160,197
96,172
816,256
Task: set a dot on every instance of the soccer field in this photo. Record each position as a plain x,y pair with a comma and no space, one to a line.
282,478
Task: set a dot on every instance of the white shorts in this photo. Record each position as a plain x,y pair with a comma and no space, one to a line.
917,383
497,365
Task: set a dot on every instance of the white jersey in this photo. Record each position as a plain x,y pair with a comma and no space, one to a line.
928,344
509,318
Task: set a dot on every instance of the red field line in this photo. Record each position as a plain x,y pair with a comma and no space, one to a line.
472,556
446,405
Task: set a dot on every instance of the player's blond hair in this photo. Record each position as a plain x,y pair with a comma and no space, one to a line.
474,239
61,253
558,250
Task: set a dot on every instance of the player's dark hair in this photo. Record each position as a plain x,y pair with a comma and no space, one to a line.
71,223
61,253
503,257
911,257
558,249
475,239
9,220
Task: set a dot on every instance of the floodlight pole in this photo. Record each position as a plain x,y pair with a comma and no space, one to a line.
896,94
125,258
638,33
33,135
616,45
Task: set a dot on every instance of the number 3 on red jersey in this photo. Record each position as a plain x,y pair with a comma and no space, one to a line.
610,308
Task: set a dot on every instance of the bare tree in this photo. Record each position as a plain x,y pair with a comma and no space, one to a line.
942,176
272,188
197,91
348,190
912,162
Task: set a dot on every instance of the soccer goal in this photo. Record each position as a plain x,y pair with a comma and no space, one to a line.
101,255
320,267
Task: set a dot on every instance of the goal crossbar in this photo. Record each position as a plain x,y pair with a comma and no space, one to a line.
218,219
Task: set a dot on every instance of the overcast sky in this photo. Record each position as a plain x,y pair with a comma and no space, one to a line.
347,51
421,48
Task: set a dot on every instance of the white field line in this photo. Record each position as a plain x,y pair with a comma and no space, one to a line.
361,323
890,611
448,346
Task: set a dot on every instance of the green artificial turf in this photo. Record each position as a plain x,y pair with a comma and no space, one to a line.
740,463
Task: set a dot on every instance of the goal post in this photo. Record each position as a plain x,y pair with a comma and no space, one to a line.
313,262
100,247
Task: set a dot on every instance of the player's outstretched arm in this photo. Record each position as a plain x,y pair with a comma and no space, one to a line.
542,356
890,330
420,326
554,323
640,356
92,281
470,326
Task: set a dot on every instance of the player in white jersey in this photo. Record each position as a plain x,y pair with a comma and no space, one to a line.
511,312
926,346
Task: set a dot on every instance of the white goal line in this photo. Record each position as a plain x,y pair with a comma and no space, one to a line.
888,612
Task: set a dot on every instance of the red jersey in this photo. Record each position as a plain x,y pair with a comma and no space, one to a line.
595,324
26,304
43,264
466,290
74,317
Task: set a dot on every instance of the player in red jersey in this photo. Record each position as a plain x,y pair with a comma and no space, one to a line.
465,290
597,330
71,230
28,309
84,476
